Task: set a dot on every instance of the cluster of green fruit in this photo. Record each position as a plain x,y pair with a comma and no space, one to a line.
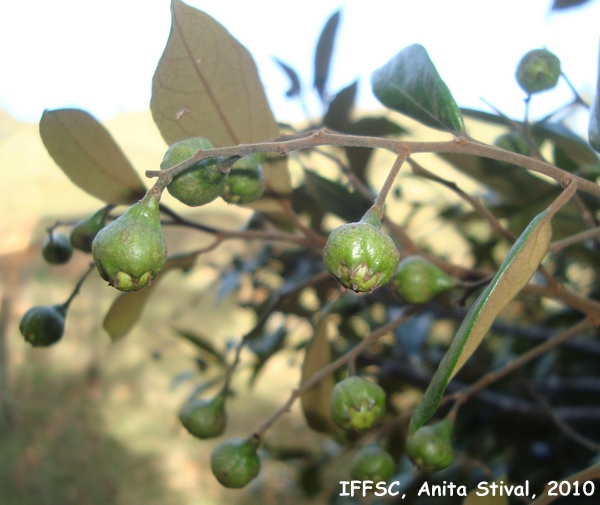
357,405
363,258
131,250
203,182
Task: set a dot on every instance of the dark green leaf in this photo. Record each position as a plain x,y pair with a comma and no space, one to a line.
295,86
206,84
566,4
89,156
202,343
563,138
335,198
323,54
338,112
409,83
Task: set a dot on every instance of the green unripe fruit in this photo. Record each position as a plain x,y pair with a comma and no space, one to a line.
538,70
204,418
43,325
245,183
84,232
130,251
373,463
357,404
235,462
360,256
199,184
430,447
418,281
57,249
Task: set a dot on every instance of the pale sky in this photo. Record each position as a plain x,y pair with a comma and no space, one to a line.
101,56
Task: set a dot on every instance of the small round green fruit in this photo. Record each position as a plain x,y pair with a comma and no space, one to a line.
430,447
538,70
357,404
360,256
373,463
130,251
57,249
199,184
246,182
236,462
43,325
417,280
204,418
84,232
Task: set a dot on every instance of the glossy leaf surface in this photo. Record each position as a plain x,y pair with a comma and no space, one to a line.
410,84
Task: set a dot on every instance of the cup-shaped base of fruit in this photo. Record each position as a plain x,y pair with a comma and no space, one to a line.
235,462
357,404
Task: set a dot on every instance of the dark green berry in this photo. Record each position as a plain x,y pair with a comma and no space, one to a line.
236,462
360,256
57,249
204,418
199,184
538,70
373,463
430,447
43,325
357,404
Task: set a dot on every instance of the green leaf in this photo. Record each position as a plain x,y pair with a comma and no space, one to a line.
323,54
206,84
338,112
89,156
128,308
517,268
316,401
571,145
594,125
202,343
335,198
295,85
409,83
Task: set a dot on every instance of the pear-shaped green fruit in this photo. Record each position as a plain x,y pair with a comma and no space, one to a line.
84,232
204,418
538,70
373,463
360,256
57,249
43,325
235,462
245,183
430,447
199,184
418,280
130,251
357,404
